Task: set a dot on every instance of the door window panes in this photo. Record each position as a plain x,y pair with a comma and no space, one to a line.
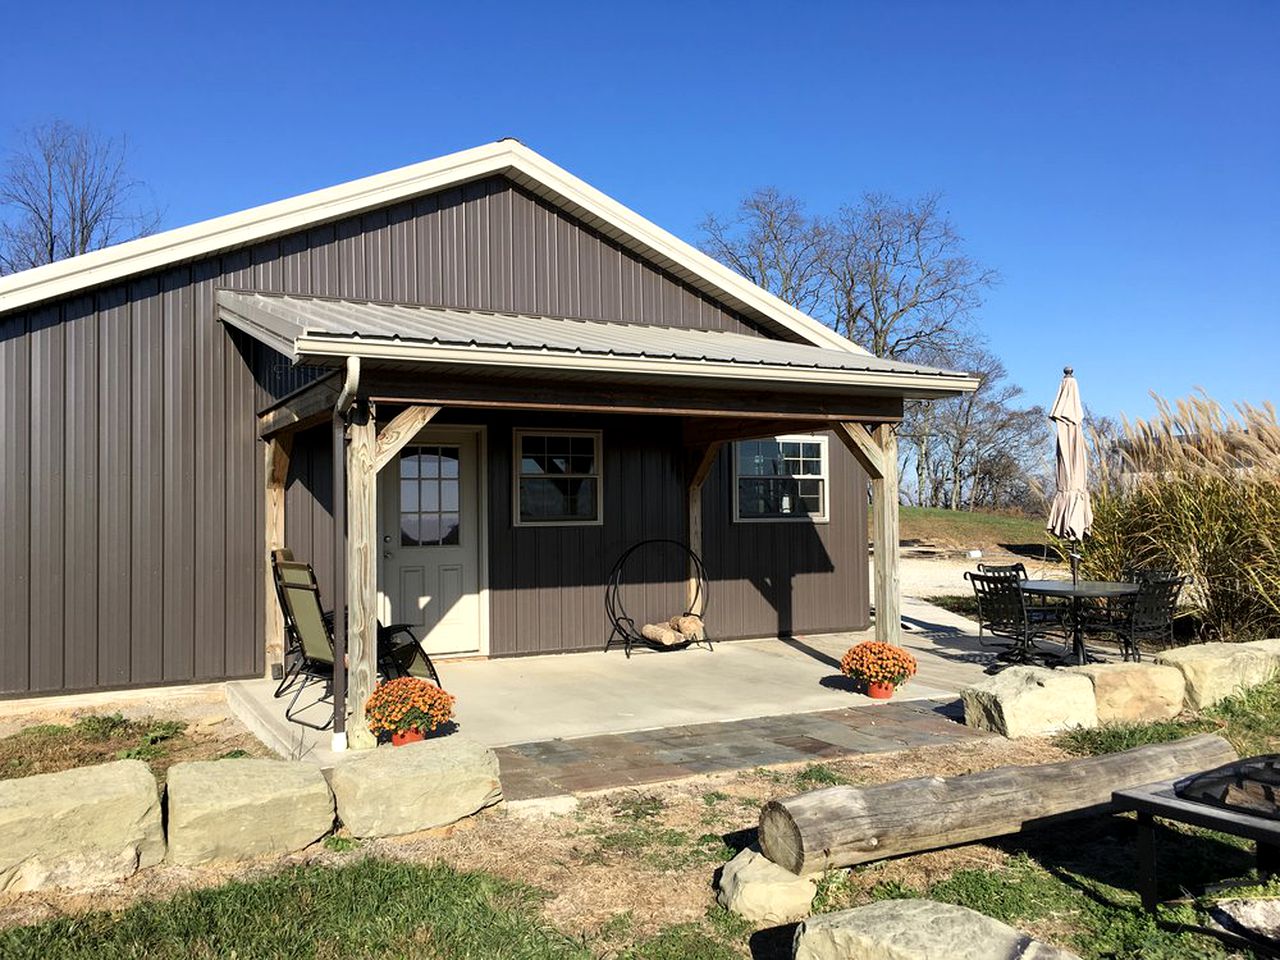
429,495
782,478
557,477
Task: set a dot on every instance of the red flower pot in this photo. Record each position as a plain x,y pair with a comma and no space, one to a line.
400,737
879,691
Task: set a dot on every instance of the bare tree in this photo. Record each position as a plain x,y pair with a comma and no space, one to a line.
898,276
774,244
65,191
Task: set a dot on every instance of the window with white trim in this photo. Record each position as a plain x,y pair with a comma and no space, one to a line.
557,477
781,478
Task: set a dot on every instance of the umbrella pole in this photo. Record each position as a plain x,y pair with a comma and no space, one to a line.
1075,562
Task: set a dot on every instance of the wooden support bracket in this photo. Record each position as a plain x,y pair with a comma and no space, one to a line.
864,449
402,428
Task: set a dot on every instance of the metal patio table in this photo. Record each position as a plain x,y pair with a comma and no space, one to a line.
1076,591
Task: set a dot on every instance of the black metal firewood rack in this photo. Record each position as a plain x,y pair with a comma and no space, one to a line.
623,626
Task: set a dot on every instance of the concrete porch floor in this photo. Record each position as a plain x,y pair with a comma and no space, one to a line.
503,703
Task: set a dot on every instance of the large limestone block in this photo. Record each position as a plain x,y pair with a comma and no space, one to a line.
79,828
395,790
1215,671
1127,692
756,888
235,809
916,930
1270,647
1026,701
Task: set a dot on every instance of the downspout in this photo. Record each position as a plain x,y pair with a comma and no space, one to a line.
346,398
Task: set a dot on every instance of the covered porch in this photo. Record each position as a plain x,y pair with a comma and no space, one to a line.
404,372
583,720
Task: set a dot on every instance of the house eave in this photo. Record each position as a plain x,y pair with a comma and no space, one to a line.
328,350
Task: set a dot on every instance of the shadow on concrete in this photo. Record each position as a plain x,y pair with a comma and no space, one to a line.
810,651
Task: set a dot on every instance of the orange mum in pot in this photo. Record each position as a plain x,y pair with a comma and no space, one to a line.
408,703
878,664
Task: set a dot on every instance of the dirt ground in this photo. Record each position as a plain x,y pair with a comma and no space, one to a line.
923,577
648,855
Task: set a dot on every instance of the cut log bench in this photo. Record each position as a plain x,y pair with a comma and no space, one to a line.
844,826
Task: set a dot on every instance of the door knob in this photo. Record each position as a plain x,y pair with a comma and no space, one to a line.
386,538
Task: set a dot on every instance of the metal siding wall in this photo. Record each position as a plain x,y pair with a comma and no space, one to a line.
547,583
146,541
48,448
80,499
789,578
178,596
210,504
15,502
115,489
131,475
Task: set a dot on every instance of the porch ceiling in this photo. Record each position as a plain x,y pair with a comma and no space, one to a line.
320,330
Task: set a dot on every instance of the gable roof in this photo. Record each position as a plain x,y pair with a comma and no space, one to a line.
508,158
324,330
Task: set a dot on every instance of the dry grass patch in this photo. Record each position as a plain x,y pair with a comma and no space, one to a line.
100,738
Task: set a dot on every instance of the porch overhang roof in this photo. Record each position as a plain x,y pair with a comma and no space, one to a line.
323,331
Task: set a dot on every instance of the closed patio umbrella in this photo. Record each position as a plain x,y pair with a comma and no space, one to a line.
1071,514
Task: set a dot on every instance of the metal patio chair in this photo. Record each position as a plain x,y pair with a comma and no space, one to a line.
1041,611
309,654
1003,612
309,632
1146,615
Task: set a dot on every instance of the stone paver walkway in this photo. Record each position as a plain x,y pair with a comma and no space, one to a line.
585,764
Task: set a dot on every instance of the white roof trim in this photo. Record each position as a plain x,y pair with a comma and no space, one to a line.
910,384
507,157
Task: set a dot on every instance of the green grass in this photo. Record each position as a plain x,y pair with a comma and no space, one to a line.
96,738
1250,721
1083,891
961,529
372,909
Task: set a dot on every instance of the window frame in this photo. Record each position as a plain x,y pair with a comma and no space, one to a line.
825,476
517,442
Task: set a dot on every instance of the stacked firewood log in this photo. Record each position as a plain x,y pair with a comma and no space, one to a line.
687,628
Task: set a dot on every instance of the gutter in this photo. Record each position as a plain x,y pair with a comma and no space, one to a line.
346,398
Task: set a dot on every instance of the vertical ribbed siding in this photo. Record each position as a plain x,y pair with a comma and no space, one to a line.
48,451
788,578
115,489
131,476
15,502
546,584
81,495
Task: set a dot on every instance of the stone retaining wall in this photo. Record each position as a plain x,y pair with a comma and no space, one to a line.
89,826
1028,701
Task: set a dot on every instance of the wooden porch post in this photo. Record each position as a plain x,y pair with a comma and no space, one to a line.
702,459
362,571
884,518
877,453
277,451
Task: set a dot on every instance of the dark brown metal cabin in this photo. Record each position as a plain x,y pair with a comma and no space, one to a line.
536,378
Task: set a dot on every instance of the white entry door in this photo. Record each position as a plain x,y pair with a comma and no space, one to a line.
430,531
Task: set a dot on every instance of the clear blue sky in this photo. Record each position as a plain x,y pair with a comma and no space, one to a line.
1119,164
